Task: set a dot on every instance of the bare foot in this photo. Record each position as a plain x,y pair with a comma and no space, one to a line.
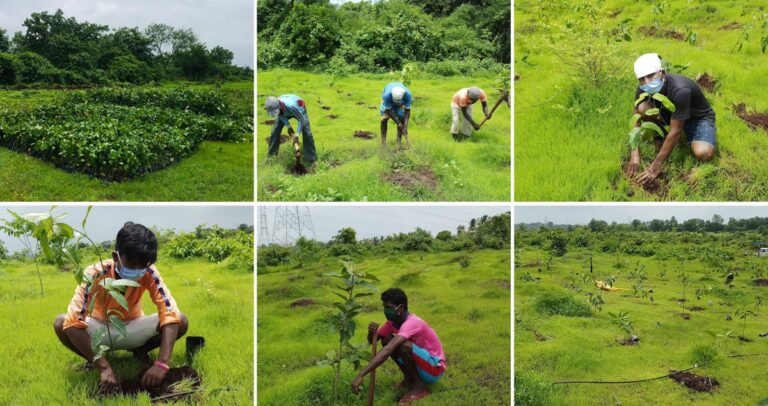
418,391
405,383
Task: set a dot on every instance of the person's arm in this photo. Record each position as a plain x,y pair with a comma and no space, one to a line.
485,109
391,114
634,156
468,117
406,119
379,359
670,141
170,318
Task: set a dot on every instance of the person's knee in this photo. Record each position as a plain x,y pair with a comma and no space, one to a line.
405,348
703,151
58,323
183,326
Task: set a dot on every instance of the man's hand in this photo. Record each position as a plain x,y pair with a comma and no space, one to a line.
488,116
153,377
107,379
356,384
649,174
373,328
634,165
476,126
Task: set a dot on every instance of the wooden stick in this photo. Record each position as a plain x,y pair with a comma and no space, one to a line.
373,373
503,97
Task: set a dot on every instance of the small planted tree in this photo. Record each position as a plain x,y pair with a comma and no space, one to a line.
624,322
647,125
344,323
685,281
743,314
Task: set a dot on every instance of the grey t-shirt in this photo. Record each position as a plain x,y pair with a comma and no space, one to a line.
686,95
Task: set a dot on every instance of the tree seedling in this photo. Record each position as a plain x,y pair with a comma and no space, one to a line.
649,123
344,321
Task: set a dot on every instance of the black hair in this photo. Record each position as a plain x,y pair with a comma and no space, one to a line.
136,244
395,296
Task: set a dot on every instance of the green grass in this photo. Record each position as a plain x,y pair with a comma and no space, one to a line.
37,369
571,137
586,348
352,169
218,171
467,308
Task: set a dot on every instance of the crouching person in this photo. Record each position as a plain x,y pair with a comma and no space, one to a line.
133,259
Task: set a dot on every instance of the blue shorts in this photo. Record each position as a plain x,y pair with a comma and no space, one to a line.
701,130
429,367
398,110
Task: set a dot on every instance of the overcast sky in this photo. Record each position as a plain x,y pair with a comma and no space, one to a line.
105,221
625,214
228,23
371,221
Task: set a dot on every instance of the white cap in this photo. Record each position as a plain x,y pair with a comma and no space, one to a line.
647,64
397,93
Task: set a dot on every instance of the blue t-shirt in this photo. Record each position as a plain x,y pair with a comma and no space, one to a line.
386,96
294,108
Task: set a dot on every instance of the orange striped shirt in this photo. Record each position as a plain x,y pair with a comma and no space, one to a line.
105,304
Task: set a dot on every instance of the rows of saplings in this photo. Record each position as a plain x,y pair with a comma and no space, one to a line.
121,133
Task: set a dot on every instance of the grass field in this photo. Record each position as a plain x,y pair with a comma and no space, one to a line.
218,171
436,168
467,308
39,370
571,135
587,348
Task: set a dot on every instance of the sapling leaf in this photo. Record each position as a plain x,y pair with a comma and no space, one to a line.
120,299
652,112
119,325
362,294
96,338
640,98
371,277
85,219
125,283
635,137
665,101
633,120
653,127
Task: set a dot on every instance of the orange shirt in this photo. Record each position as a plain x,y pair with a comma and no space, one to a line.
461,98
151,282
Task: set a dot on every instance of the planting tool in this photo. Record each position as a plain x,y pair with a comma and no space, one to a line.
298,167
504,98
373,373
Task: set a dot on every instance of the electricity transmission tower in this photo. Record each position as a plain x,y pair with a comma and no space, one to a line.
263,227
290,223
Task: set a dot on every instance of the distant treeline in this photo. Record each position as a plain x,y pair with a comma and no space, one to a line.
491,232
446,37
715,224
55,50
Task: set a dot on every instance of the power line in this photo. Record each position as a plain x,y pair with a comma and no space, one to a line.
291,223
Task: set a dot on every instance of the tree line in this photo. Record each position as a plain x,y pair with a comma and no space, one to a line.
715,224
486,232
445,36
56,50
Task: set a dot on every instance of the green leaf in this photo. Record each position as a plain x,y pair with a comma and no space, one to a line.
640,98
120,299
371,277
119,325
362,295
96,338
653,127
633,120
125,282
635,137
85,219
665,101
652,112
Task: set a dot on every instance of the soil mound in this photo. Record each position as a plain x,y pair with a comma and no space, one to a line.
695,382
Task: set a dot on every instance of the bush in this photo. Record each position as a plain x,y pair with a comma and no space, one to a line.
561,304
8,69
126,68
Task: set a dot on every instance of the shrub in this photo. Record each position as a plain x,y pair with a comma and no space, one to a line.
561,304
8,69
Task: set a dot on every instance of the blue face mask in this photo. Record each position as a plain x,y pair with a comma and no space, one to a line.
133,274
653,87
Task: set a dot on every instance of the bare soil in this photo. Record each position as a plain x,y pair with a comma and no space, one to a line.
660,33
411,181
696,309
302,303
634,340
269,122
760,282
706,81
695,382
745,339
366,135
325,107
685,316
753,120
332,116
167,389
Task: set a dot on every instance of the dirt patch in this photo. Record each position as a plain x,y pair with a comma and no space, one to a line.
760,282
332,116
418,97
633,340
302,303
745,339
366,135
283,139
659,33
706,81
411,181
269,122
179,383
753,120
730,26
517,77
298,169
695,382
685,316
325,107
696,309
